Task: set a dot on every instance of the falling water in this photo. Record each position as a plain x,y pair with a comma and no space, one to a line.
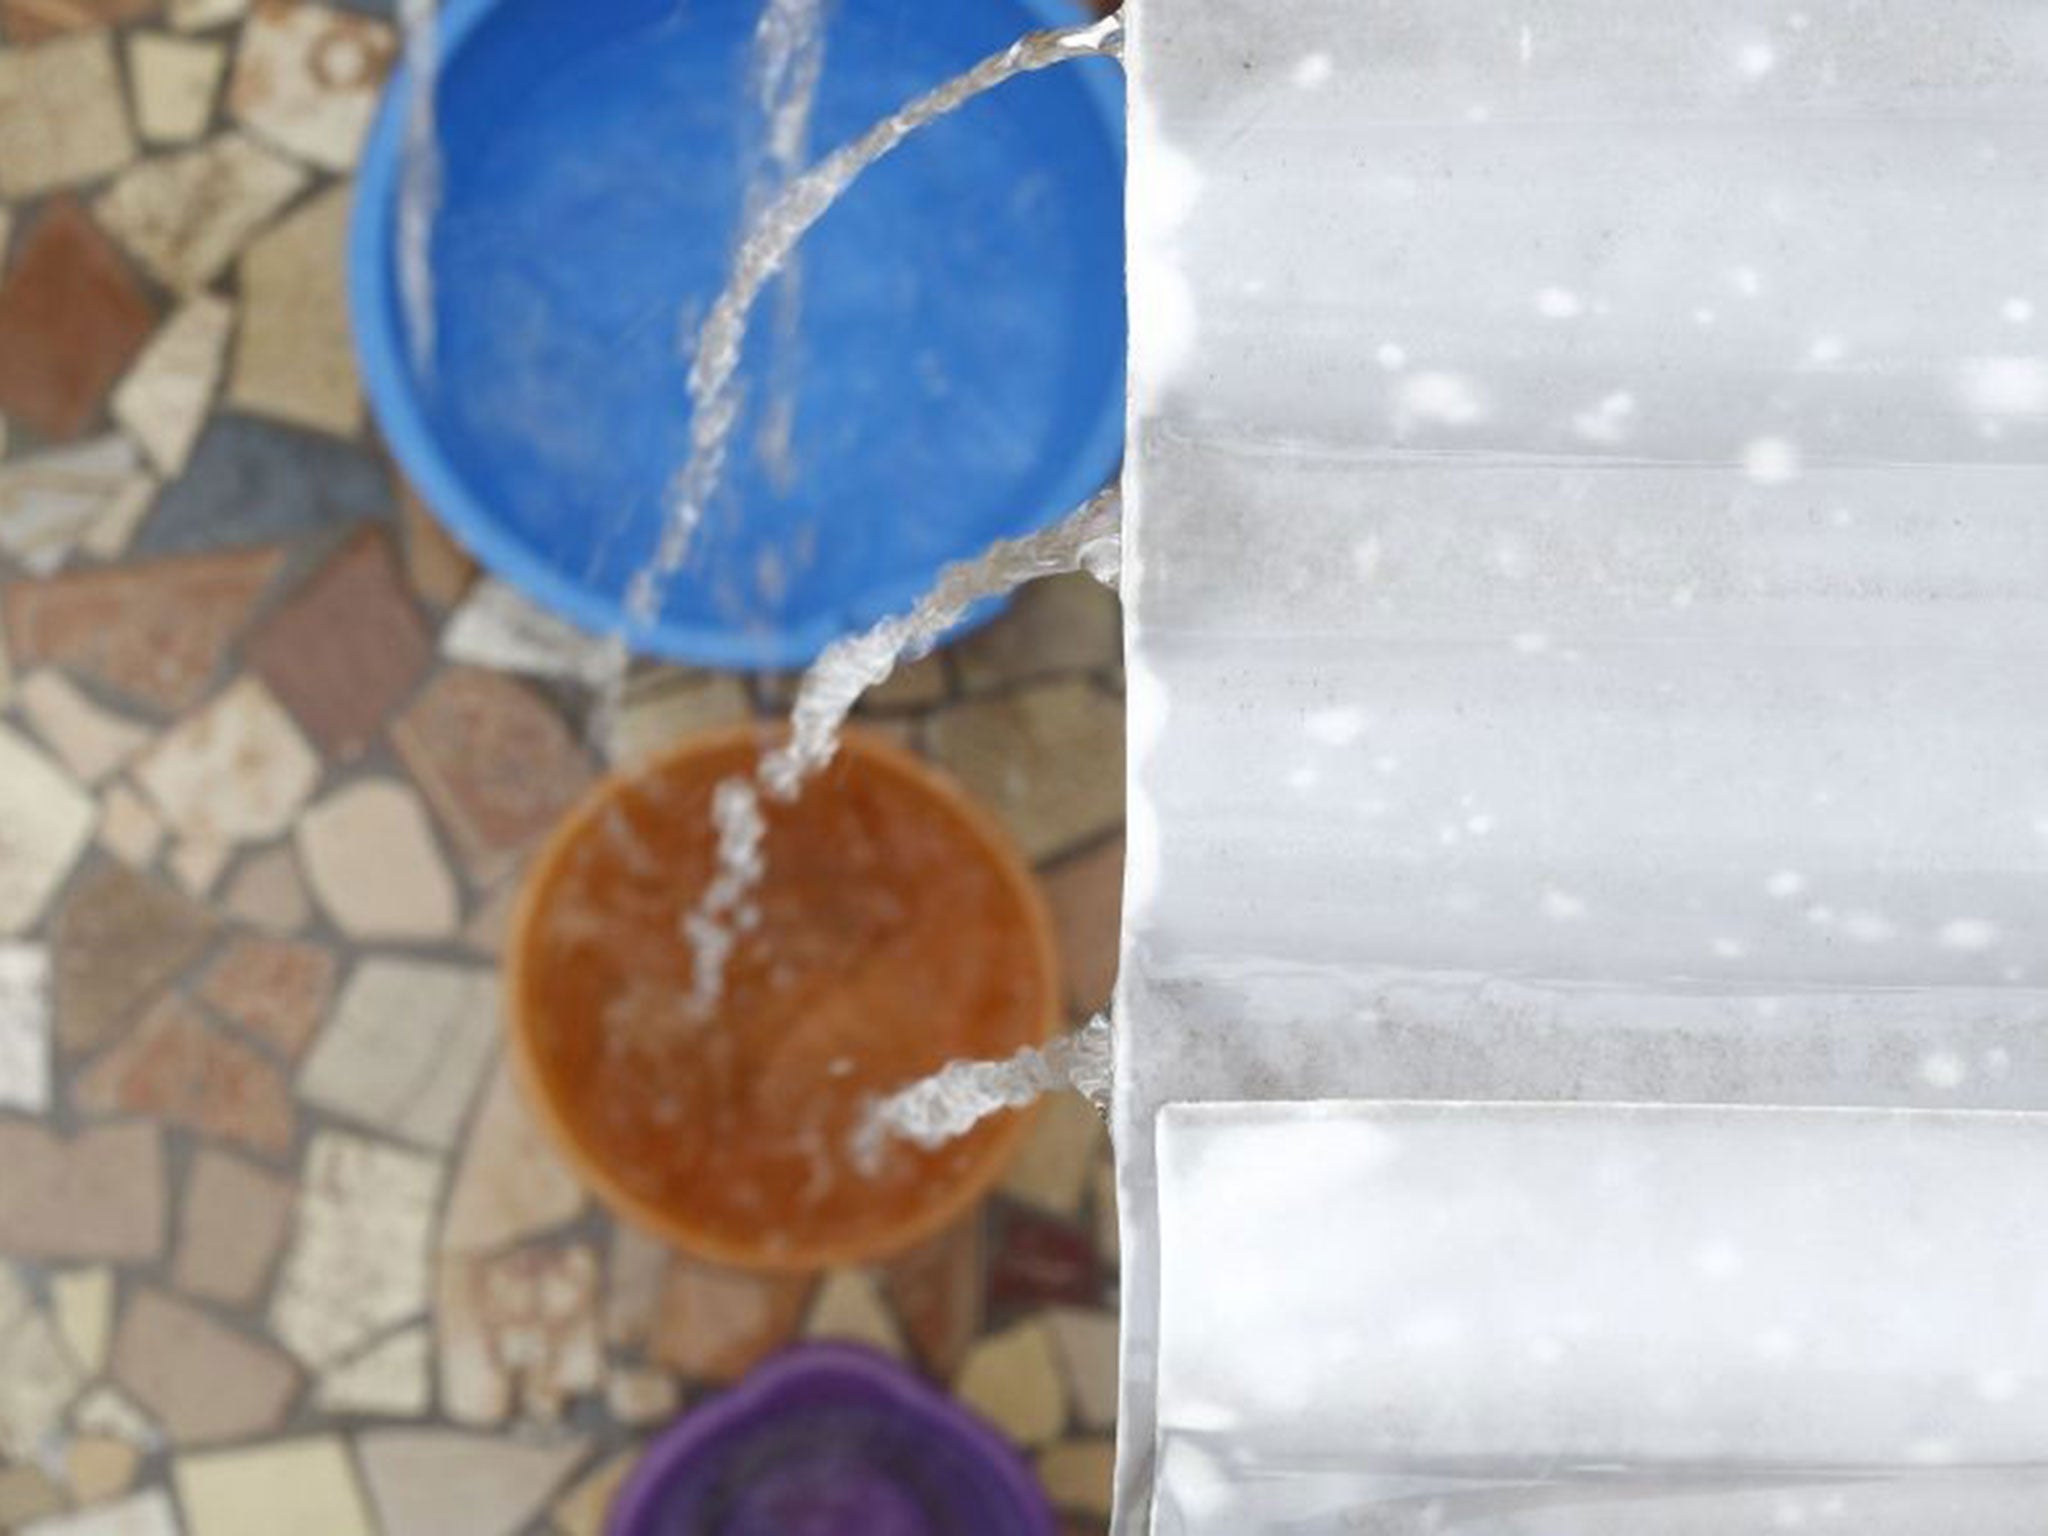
960,1095
1085,539
419,180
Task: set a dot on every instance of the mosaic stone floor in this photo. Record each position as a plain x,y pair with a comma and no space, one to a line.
281,1250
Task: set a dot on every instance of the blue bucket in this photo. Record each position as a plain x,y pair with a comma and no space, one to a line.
955,376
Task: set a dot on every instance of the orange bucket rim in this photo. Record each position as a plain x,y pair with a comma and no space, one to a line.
889,1241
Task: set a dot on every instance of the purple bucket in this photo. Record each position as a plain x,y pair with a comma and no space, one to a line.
831,1440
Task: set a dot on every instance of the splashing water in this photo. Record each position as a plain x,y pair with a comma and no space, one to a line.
960,1095
419,180
1085,539
761,255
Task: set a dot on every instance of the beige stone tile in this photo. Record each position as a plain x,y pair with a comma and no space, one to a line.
196,862
82,1301
915,685
359,1260
641,1394
129,829
27,1495
1086,1344
428,1482
25,1027
148,1513
294,359
849,1306
45,822
202,1381
1078,1475
1012,1380
510,1183
185,216
203,15
99,1468
1049,760
1062,624
267,893
518,1331
300,1487
61,116
236,770
370,857
38,1377
99,1195
936,1290
164,398
392,1379
230,1229
1108,1229
406,1048
89,739
307,78
439,569
1086,896
174,80
663,705
107,1411
1050,1171
110,534
636,1269
717,1324
583,1510
52,500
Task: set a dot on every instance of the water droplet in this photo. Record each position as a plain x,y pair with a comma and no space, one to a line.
1943,1069
1391,357
1438,399
1335,727
1756,60
1785,884
2018,311
1771,460
1559,304
2006,386
1969,934
1313,71
1562,906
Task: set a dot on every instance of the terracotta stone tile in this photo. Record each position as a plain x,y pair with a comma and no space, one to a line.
35,21
307,78
177,1068
1012,1380
120,940
99,1468
1086,1343
518,1330
56,502
849,1306
174,80
1050,1171
372,862
38,1377
82,1305
129,829
294,358
185,216
392,1379
1063,624
25,1027
72,317
1039,1262
299,1487
236,770
510,1183
407,1047
717,1324
61,102
501,629
253,481
359,1260
153,632
230,1229
274,988
498,764
1079,1474
936,1289
203,1383
91,740
1086,895
45,824
1049,760
345,649
163,399
98,1196
439,568
268,894
437,1482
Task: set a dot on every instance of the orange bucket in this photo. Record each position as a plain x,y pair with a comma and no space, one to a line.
899,929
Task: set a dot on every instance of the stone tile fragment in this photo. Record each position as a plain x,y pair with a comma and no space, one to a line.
185,216
510,1183
1050,1170
518,1331
1062,624
177,1068
268,894
501,629
99,1195
38,1377
129,829
148,1513
255,481
164,398
230,1229
174,80
435,1482
276,989
392,1379
36,21
1078,1475
370,857
65,120
99,1468
307,78
1086,894
664,705
51,502
1085,1341
120,939
45,823
585,1508
849,1306
24,1028
285,1488
1049,760
936,1290
1012,1380
82,1304
90,739
641,1395
406,1049
1040,1262
439,568
294,357
235,771
717,1324
202,1381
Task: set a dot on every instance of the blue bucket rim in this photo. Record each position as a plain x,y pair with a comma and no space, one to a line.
389,384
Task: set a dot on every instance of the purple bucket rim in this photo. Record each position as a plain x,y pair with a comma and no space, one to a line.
758,1394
